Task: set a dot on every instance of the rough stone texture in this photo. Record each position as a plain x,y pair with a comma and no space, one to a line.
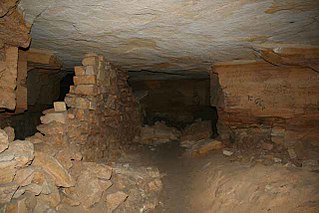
4,140
114,200
53,167
6,192
169,35
103,113
23,152
10,132
13,31
8,78
21,91
197,131
281,100
277,91
8,171
159,133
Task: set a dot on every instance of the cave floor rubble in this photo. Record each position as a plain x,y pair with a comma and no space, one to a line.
216,183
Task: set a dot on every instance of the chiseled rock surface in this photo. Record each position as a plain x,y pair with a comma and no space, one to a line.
174,35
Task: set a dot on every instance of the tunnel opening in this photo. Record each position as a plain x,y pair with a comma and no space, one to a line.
176,101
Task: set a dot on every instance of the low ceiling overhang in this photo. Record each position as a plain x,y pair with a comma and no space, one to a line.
170,35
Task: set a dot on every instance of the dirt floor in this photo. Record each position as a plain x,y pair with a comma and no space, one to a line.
215,184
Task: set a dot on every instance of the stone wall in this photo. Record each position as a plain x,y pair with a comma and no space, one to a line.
282,99
49,172
103,112
8,78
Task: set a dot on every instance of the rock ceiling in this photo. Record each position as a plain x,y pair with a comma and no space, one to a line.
168,35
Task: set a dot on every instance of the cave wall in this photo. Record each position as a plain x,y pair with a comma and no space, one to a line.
174,101
282,99
14,33
8,77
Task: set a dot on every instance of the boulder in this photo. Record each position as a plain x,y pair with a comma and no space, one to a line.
23,152
91,186
51,165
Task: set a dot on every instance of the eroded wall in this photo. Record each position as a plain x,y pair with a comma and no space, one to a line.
8,77
282,99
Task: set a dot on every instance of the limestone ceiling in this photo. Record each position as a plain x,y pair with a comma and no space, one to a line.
168,35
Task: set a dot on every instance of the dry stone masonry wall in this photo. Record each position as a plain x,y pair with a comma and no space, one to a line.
50,172
103,112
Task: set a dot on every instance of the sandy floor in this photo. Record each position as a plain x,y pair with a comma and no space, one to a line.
214,184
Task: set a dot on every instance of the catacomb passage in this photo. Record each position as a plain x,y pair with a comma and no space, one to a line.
194,106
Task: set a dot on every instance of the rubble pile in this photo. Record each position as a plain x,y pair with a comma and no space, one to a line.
50,171
159,133
45,176
199,130
266,146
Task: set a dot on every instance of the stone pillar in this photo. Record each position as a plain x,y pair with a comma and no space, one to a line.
103,114
8,78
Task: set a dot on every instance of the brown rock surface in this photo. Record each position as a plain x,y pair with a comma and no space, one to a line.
203,147
8,171
158,133
10,132
7,191
23,152
54,168
93,190
4,140
114,200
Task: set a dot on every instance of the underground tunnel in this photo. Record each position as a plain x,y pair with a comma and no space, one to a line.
191,106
